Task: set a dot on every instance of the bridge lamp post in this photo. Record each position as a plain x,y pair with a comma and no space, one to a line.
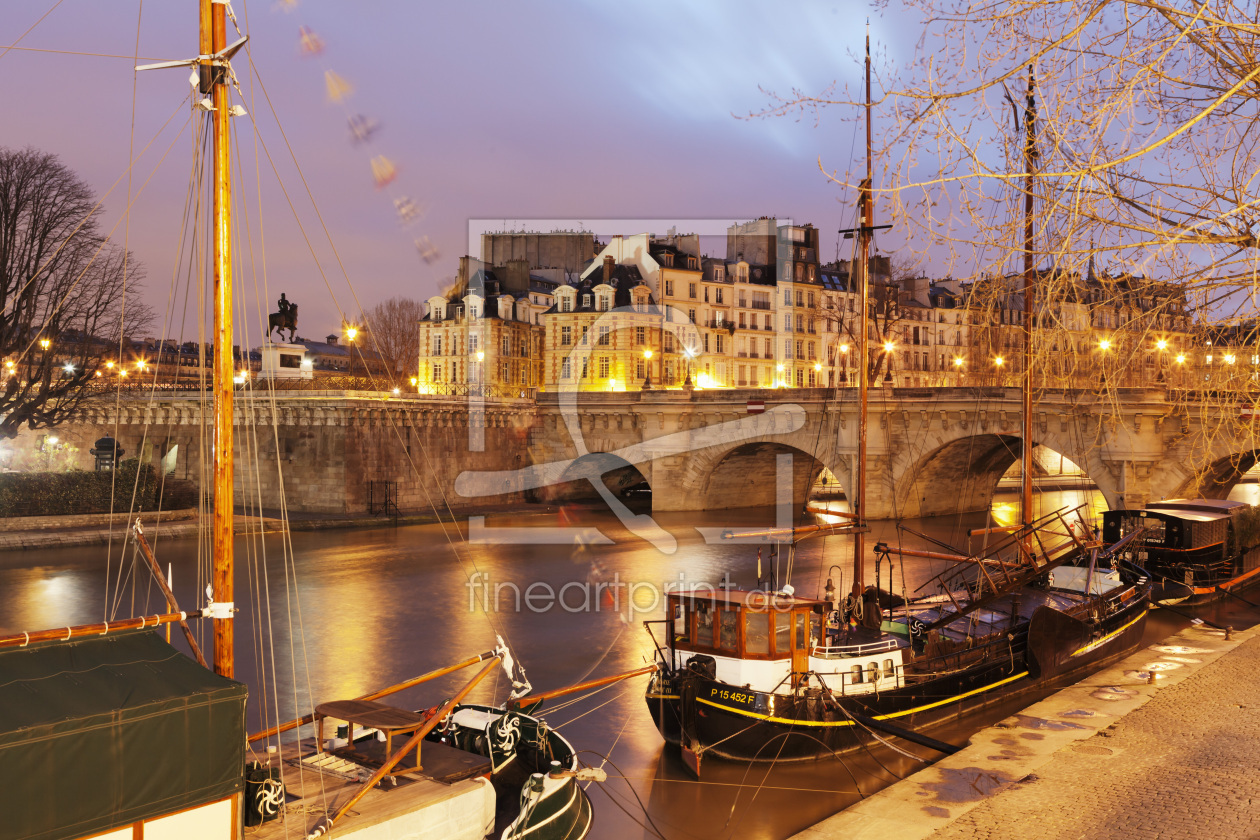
1103,346
818,369
1161,345
689,354
958,368
647,369
998,361
782,381
843,361
888,360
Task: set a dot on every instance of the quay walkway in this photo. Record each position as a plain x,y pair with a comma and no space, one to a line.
1113,756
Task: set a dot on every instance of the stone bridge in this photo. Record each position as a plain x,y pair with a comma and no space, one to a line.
931,451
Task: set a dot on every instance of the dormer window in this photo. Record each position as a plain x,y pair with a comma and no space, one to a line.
667,259
566,304
741,272
586,300
719,271
692,263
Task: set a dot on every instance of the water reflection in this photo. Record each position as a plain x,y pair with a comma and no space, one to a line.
351,611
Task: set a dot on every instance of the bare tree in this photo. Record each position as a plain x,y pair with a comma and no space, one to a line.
1133,126
65,291
394,334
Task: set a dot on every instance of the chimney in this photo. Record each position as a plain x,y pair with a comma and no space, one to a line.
608,268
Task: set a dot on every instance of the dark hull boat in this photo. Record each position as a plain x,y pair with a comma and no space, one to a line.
756,677
1195,549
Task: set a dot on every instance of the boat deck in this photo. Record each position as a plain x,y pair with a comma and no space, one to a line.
449,797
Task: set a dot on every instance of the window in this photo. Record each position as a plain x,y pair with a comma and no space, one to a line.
719,271
769,322
799,346
603,367
437,345
566,336
811,300
566,368
505,346
566,304
741,273
706,294
437,371
584,332
811,378
728,636
640,335
638,368
586,368
669,342
669,288
586,301
667,259
769,349
800,297
800,323
719,342
691,315
799,374
706,342
756,629
811,350
787,348
787,322
603,337
718,295
787,297
691,291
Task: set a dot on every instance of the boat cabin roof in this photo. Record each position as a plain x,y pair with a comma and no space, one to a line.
1185,515
1226,507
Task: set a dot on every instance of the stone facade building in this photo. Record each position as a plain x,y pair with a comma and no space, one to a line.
654,312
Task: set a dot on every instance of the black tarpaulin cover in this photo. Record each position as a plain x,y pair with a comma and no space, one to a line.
104,731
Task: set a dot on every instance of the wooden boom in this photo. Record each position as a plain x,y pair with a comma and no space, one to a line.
63,634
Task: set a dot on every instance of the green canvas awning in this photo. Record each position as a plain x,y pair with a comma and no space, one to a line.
102,732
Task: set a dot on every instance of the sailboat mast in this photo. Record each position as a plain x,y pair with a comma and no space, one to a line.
864,247
214,83
1030,153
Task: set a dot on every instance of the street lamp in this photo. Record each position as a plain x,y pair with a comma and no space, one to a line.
691,354
647,369
888,357
844,363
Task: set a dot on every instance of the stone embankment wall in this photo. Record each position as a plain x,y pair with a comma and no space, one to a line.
324,449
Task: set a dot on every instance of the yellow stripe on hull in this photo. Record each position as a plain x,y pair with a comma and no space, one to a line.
903,713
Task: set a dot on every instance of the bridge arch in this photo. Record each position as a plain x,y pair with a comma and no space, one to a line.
1221,475
964,474
616,473
747,475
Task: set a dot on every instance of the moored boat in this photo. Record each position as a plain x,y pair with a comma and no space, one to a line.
757,676
1196,549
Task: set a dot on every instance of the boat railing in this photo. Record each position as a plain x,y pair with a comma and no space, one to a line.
846,651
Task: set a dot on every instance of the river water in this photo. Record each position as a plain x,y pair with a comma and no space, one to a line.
350,611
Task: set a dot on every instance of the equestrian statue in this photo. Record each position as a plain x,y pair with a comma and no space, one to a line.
285,319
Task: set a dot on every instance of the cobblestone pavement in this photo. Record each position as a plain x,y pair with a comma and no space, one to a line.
1185,765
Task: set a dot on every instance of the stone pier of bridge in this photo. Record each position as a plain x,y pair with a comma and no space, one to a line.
930,451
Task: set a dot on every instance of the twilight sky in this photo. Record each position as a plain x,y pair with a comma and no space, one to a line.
493,110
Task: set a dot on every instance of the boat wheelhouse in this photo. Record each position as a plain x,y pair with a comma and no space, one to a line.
767,642
1189,545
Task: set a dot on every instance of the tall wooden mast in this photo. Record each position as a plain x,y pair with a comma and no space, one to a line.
1030,155
867,226
214,84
